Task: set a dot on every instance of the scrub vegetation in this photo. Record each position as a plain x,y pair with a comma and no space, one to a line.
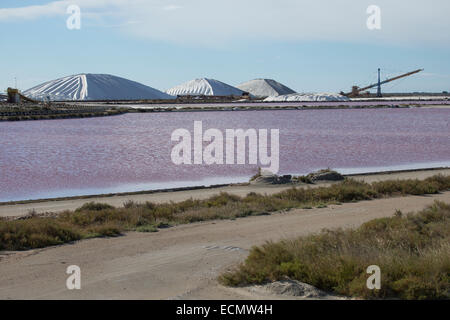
103,220
412,251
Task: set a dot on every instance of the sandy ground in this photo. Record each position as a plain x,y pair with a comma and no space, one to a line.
118,200
177,263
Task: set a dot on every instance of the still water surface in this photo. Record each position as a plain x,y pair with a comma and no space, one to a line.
131,152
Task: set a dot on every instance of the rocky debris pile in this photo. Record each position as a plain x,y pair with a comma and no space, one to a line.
325,175
291,288
265,177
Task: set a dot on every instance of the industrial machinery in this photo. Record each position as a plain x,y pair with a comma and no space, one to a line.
14,96
357,90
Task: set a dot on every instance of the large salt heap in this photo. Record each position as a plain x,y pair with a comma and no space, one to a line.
263,88
93,87
307,97
205,87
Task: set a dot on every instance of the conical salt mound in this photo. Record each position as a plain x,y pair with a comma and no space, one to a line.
93,87
265,88
206,87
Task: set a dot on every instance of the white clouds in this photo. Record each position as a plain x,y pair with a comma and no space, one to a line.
33,12
56,8
212,22
172,7
221,22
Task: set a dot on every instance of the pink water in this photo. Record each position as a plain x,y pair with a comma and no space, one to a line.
52,158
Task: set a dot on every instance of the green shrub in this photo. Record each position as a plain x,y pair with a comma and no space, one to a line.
412,251
93,206
147,228
35,233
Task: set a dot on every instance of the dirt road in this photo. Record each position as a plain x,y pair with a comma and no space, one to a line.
180,262
118,200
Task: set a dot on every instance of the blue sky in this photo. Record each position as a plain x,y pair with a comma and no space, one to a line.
310,46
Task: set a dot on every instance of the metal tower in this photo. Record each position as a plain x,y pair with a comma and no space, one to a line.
379,85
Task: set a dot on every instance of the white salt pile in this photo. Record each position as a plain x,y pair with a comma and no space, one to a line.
262,88
94,87
204,86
